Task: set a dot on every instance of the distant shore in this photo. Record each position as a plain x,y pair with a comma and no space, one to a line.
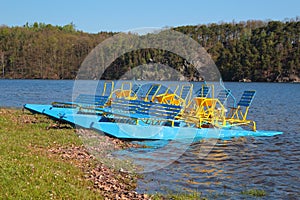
241,81
255,50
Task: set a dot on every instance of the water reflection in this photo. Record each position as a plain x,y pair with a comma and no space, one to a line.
233,166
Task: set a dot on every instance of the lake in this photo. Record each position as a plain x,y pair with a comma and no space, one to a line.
271,163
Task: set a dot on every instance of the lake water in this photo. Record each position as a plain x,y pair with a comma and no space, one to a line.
271,164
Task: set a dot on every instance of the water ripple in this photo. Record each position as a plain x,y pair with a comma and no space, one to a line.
271,164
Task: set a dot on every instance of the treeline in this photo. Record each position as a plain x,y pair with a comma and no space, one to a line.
252,50
43,51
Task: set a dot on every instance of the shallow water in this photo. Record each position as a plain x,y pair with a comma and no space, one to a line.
218,169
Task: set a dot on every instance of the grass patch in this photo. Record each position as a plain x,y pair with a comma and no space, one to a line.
26,171
254,192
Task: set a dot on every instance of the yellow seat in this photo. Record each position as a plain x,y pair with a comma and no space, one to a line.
168,96
125,92
206,111
176,98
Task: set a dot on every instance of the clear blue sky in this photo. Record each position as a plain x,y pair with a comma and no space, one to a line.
122,15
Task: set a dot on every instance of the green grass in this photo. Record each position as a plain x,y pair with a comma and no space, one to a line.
254,192
26,169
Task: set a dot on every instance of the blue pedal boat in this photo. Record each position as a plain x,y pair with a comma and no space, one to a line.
163,116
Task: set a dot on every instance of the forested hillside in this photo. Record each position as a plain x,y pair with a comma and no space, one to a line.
44,51
252,50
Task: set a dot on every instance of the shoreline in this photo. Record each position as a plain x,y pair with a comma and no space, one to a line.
40,158
239,81
103,180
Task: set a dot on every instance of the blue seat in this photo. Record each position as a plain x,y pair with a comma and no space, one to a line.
246,98
238,116
151,93
223,96
90,100
185,91
85,101
138,110
203,91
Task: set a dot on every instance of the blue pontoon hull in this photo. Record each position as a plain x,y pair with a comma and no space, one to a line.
131,131
68,115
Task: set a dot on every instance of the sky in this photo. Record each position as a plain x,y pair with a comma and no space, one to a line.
123,15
